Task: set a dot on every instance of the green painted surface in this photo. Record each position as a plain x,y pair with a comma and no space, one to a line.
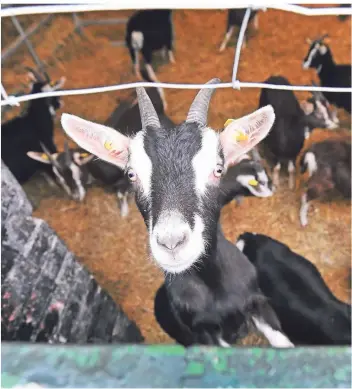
72,366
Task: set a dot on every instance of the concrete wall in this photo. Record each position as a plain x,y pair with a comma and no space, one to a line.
46,294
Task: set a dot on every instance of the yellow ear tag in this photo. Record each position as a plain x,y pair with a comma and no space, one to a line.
84,155
253,182
44,156
240,136
228,121
108,145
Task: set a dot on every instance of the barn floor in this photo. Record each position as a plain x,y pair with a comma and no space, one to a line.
115,250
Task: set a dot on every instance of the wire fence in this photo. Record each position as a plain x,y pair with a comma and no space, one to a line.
235,84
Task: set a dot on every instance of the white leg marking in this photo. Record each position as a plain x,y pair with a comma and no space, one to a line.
276,172
304,210
226,38
171,57
291,175
275,338
153,77
223,343
311,162
240,244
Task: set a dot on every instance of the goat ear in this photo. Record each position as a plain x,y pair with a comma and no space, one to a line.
41,157
241,135
82,158
104,142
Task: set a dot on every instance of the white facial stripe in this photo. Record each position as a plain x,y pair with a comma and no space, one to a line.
76,175
260,190
141,163
123,205
310,57
263,177
183,258
62,181
311,162
275,338
205,161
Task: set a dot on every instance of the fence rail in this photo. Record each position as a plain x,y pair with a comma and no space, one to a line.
236,84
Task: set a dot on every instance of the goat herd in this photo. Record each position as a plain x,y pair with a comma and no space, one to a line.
182,175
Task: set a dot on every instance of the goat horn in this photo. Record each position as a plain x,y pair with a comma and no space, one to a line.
149,117
198,113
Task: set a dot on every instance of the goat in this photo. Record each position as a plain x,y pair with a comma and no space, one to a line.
176,173
148,31
319,57
246,178
308,311
329,167
292,125
235,18
127,118
25,133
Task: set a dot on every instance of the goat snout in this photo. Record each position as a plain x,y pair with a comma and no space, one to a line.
172,240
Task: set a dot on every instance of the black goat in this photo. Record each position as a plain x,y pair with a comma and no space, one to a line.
309,313
292,125
176,173
235,18
329,168
247,178
148,31
319,57
25,133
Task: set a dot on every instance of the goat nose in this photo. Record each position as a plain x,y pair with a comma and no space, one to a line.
173,240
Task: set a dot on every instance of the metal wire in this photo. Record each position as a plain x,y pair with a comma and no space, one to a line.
236,84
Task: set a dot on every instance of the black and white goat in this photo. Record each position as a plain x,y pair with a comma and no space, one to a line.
246,178
235,19
292,125
148,31
329,167
176,173
308,311
319,57
25,133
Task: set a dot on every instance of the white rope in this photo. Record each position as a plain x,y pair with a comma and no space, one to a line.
236,61
11,100
111,88
171,4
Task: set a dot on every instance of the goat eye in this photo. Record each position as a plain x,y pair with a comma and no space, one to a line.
218,171
131,175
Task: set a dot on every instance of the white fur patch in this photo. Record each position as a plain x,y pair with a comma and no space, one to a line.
311,55
205,161
223,343
275,338
140,162
291,167
183,257
303,213
137,40
240,244
123,205
311,162
260,190
76,175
